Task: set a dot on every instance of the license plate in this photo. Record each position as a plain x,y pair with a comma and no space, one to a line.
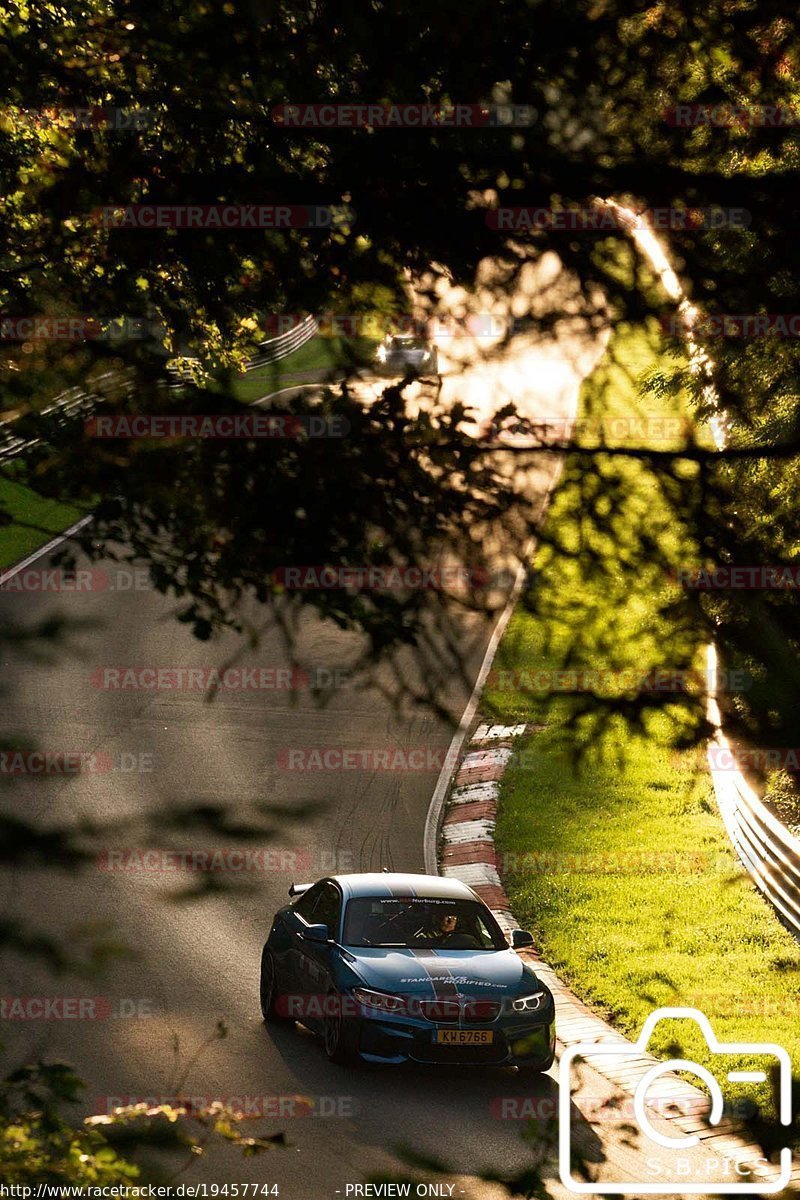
464,1037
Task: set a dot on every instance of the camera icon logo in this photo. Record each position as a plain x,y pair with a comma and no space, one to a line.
681,1184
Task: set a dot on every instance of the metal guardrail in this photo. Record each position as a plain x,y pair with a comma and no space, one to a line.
269,351
76,402
285,343
769,851
69,404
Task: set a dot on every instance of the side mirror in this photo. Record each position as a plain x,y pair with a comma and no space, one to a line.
319,934
520,938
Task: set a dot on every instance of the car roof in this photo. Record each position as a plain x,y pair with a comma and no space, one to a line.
402,884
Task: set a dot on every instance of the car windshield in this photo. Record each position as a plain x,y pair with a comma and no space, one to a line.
408,343
417,922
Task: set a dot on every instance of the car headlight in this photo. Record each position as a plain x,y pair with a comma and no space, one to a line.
530,1003
384,1001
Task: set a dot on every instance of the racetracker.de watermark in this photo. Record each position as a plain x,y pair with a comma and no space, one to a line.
278,1107
412,115
732,116
639,427
388,578
413,759
753,1004
76,1008
742,758
243,426
375,324
779,577
612,680
600,1109
733,325
275,861
90,116
611,862
81,580
78,328
605,219
213,679
297,1006
17,763
221,216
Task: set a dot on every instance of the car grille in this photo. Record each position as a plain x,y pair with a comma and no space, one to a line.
481,1010
440,1010
457,1012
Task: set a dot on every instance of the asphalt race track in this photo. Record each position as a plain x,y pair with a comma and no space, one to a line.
146,1029
197,963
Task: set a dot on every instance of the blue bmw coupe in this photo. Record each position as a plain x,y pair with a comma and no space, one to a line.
394,968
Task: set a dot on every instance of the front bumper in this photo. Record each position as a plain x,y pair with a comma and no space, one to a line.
388,1039
400,365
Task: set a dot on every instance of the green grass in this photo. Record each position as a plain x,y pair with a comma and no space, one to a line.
602,591
34,521
317,354
654,908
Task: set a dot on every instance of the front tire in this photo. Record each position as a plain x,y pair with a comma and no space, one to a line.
334,1031
525,1068
268,989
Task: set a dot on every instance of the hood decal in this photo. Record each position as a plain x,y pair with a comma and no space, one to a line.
439,974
